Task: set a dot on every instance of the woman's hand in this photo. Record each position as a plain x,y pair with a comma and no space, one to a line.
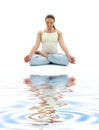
27,58
72,59
41,53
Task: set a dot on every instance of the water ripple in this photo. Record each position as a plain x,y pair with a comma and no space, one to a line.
21,119
47,106
11,118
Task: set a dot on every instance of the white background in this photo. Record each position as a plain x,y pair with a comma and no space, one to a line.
20,20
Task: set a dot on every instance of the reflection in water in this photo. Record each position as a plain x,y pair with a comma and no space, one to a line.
49,103
48,91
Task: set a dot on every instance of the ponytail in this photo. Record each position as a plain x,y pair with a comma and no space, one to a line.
54,27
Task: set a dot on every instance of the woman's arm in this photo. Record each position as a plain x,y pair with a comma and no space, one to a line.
34,48
36,45
64,48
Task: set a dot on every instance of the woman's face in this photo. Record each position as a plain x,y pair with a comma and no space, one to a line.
49,23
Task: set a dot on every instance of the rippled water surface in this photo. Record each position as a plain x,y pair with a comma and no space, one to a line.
49,102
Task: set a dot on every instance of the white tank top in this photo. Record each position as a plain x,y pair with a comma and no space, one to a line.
49,42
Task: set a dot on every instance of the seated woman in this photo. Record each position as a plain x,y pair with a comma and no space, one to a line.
49,38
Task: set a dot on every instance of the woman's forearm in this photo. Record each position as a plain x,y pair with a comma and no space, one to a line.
33,51
36,45
66,51
41,53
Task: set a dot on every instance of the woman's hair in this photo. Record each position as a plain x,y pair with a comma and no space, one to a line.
52,17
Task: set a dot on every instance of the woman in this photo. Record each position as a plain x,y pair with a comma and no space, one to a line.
49,38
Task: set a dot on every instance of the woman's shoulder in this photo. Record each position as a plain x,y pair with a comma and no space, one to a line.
59,32
40,32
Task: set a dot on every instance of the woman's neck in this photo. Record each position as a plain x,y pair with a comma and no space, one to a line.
50,30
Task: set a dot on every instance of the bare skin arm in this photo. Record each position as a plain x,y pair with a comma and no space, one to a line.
41,53
64,48
34,48
37,44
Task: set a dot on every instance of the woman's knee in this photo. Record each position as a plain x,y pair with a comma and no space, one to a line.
37,59
59,59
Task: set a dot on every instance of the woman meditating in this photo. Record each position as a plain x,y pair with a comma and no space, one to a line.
49,38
